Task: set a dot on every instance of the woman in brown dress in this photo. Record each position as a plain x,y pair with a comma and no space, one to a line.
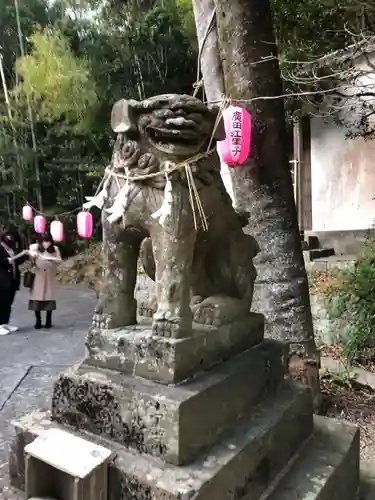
45,257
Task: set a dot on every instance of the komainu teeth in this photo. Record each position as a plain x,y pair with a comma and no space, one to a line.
180,122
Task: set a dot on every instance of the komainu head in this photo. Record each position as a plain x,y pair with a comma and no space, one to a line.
169,125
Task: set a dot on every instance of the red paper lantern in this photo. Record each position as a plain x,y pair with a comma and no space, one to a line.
27,213
84,224
235,148
39,224
57,231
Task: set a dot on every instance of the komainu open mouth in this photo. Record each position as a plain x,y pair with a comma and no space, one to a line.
180,141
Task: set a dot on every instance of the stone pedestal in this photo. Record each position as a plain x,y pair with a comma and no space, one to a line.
135,350
207,417
173,422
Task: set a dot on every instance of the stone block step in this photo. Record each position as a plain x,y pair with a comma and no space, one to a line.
312,255
327,467
321,253
241,465
313,242
136,350
172,422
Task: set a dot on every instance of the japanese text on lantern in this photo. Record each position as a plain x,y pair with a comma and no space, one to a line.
236,134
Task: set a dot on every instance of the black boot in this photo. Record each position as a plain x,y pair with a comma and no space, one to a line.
38,324
49,319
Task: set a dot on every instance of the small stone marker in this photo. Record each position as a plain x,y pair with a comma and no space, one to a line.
62,466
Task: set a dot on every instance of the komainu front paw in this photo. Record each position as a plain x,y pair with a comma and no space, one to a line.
101,320
164,328
148,308
218,310
195,300
167,324
111,314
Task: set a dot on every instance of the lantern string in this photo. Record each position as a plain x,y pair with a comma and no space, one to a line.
63,214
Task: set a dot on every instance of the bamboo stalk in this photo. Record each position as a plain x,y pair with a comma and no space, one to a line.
10,115
30,113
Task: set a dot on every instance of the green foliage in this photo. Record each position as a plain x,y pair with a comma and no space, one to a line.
312,28
58,84
162,69
186,14
76,66
33,13
353,298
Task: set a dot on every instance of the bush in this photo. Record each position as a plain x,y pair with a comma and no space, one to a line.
353,298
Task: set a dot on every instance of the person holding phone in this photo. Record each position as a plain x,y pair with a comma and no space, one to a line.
11,257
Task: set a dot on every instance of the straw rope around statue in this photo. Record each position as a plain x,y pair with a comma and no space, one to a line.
121,202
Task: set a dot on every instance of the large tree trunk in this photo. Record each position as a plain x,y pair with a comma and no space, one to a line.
239,58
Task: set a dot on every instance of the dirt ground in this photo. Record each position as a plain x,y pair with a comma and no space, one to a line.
349,400
354,403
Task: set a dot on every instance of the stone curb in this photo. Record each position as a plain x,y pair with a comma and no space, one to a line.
363,377
367,487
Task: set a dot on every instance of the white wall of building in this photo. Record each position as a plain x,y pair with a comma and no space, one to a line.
342,179
343,170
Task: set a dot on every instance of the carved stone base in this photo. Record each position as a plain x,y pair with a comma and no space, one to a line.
136,350
244,463
279,453
174,423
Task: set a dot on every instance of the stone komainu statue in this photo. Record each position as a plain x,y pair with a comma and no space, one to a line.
206,276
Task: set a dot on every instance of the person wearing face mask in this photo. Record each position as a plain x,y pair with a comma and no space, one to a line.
10,277
45,257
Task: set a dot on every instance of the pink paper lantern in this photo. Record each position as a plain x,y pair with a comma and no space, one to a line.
39,224
235,148
27,212
84,224
57,231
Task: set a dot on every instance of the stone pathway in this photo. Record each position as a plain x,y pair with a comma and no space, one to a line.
29,360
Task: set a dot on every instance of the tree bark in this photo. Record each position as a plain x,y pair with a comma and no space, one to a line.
246,69
210,62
